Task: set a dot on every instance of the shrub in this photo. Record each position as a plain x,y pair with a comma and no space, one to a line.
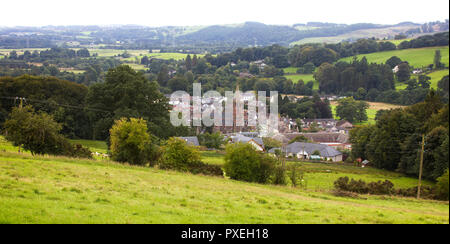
78,151
442,186
361,187
279,175
342,183
214,140
358,186
381,188
296,176
178,155
36,132
205,169
243,162
425,192
130,141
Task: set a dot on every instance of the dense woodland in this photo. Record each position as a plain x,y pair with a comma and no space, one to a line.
394,143
89,112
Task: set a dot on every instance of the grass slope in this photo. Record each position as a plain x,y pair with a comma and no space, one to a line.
417,57
44,189
371,111
62,190
435,76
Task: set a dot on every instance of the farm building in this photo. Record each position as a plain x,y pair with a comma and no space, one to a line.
335,140
303,150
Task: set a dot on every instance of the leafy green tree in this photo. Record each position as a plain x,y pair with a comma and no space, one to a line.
412,84
393,61
178,155
361,94
36,132
50,95
403,73
437,59
130,142
360,138
385,149
442,186
443,83
127,93
270,143
211,140
243,162
188,62
309,68
424,81
194,60
163,76
145,60
83,53
351,110
178,83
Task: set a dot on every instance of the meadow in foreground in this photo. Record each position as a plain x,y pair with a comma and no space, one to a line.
45,189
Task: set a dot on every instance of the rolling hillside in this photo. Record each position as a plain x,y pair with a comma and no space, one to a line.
63,190
384,32
417,57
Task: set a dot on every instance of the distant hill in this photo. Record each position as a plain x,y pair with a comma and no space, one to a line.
258,34
217,38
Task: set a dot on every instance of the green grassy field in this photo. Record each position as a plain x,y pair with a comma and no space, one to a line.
418,57
62,190
94,146
305,77
371,111
435,76
213,157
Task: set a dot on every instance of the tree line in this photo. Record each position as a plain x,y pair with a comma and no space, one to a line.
394,142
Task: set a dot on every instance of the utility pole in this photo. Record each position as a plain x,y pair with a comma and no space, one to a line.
421,166
21,106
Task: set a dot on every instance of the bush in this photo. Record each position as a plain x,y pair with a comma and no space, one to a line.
214,140
36,132
296,176
361,187
130,141
205,169
381,188
78,151
442,186
178,155
279,175
243,162
425,192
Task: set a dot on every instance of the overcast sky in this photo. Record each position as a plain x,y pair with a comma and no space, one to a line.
208,12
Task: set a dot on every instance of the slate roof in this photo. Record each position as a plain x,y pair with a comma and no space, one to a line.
245,139
193,140
325,151
325,137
